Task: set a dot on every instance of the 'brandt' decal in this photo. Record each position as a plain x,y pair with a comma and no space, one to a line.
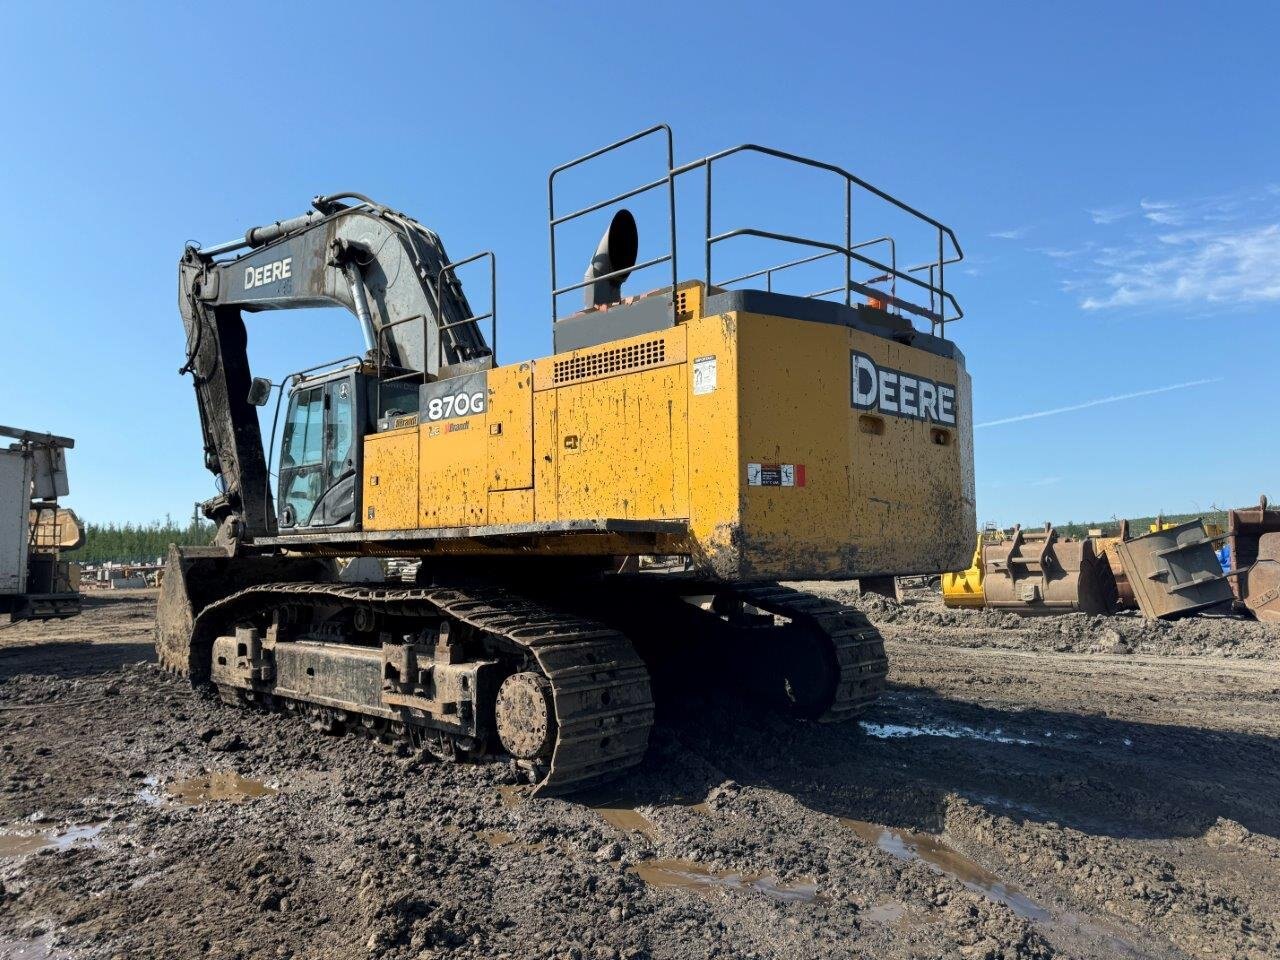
900,394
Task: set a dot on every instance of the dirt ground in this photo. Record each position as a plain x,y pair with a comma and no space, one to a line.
1069,786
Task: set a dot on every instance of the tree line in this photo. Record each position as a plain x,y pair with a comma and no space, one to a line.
137,543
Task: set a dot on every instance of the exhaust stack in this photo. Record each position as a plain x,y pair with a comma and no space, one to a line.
613,260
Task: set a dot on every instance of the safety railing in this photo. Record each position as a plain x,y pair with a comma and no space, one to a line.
554,221
768,272
942,306
449,269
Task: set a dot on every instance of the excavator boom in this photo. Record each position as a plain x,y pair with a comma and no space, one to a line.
380,265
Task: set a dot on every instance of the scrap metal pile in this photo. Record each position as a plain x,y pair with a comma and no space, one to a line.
1172,571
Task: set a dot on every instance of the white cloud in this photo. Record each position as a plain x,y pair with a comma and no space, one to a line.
1165,214
1096,403
1226,267
1221,249
1105,215
1016,233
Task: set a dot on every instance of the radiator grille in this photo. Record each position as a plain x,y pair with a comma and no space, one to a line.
605,362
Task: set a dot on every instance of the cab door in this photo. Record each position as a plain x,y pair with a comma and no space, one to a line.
319,457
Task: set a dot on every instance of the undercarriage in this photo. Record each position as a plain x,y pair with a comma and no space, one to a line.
556,679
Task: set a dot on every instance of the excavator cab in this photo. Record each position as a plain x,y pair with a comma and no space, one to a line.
321,447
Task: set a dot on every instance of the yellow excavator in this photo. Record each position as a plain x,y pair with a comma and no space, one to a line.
626,505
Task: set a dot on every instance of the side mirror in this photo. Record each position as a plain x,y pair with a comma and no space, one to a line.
259,391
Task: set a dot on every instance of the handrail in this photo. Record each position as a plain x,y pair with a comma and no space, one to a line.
553,221
943,306
491,316
823,165
850,284
768,272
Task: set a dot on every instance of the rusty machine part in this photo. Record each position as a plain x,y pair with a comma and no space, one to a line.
1175,571
1245,529
525,715
1105,547
1037,571
1261,583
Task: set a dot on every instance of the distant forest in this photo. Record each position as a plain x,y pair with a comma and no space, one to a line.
136,543
1137,525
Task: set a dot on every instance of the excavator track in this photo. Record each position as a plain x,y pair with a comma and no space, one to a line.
856,647
599,687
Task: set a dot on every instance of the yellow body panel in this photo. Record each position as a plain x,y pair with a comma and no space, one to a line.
453,472
509,423
740,427
391,480
622,447
511,506
880,502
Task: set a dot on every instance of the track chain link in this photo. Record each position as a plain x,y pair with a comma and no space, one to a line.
600,686
857,645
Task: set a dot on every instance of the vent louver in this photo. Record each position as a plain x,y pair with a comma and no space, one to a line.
602,363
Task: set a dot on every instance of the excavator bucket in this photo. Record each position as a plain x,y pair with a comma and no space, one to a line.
1105,547
56,528
1174,571
1261,584
964,588
195,577
1246,529
1038,572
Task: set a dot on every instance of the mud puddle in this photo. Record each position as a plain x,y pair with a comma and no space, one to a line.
626,819
623,813
910,845
514,794
20,843
687,875
217,787
892,913
497,838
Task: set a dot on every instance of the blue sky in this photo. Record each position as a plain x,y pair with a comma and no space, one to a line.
1111,170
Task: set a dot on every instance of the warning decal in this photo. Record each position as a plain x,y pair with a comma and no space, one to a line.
775,474
704,375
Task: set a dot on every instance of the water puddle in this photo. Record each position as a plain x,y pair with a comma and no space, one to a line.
621,812
497,839
895,731
909,845
892,913
218,787
15,844
41,948
513,794
626,819
889,914
687,875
